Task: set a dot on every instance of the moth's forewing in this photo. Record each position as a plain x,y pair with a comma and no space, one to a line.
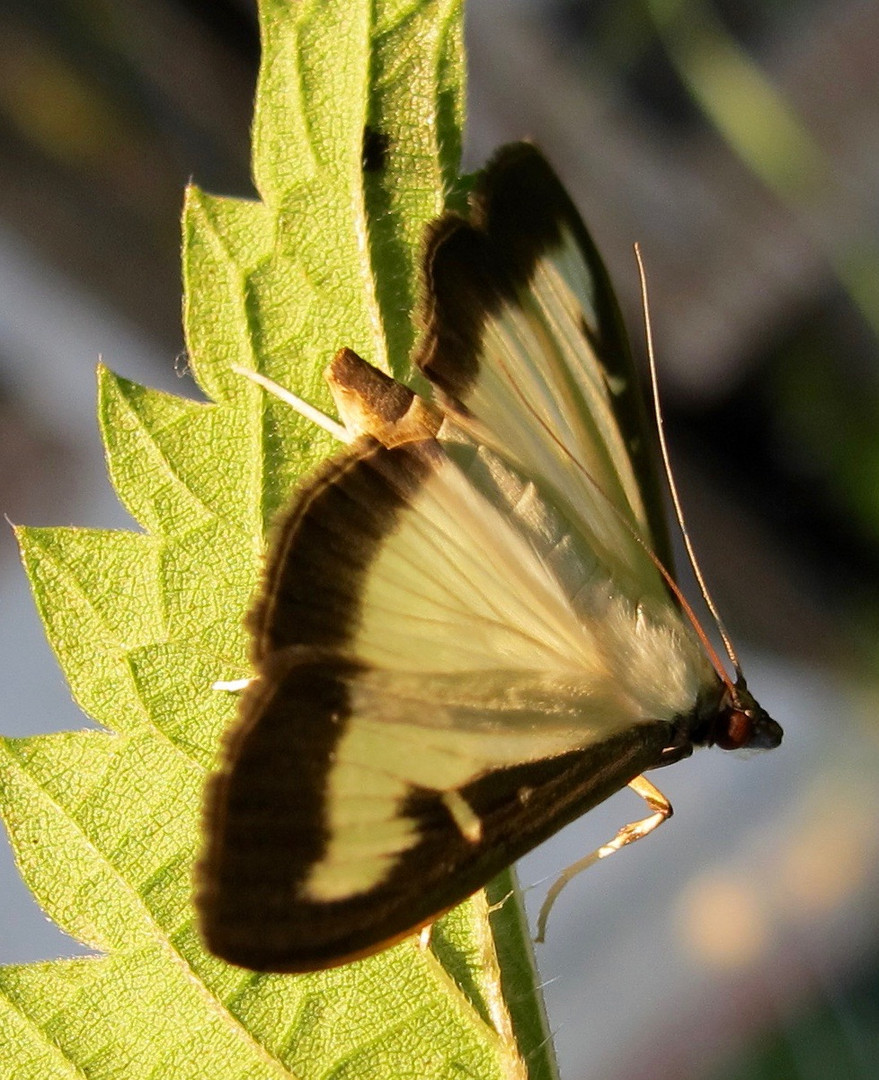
271,827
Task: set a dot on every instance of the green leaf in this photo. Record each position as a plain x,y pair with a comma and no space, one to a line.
105,824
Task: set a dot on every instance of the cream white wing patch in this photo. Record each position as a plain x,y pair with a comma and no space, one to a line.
438,593
434,558
434,735
356,805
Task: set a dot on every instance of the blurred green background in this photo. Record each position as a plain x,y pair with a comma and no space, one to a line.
738,142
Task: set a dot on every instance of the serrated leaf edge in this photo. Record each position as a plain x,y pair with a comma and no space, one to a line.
159,935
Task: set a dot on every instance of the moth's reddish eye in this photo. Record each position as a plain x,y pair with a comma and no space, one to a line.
738,732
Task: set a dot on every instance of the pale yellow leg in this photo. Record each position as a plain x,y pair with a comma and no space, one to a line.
231,685
337,430
498,904
627,835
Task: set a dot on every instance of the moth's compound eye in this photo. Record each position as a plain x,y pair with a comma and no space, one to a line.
736,731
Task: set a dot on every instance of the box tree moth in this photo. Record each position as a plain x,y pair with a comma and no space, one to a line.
467,633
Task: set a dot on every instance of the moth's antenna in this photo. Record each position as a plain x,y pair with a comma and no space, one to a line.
337,430
669,476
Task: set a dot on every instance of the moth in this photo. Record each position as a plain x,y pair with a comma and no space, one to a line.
468,632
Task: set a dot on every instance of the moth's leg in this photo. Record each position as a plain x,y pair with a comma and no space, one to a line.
304,408
424,936
498,904
628,834
232,685
671,754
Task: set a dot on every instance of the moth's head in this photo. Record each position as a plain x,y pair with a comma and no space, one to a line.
742,724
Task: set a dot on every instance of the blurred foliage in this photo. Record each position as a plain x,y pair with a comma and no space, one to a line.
834,1035
106,111
827,416
832,417
816,416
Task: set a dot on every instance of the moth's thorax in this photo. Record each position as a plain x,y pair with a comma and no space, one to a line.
372,403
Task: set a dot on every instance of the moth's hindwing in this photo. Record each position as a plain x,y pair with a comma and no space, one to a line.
324,849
